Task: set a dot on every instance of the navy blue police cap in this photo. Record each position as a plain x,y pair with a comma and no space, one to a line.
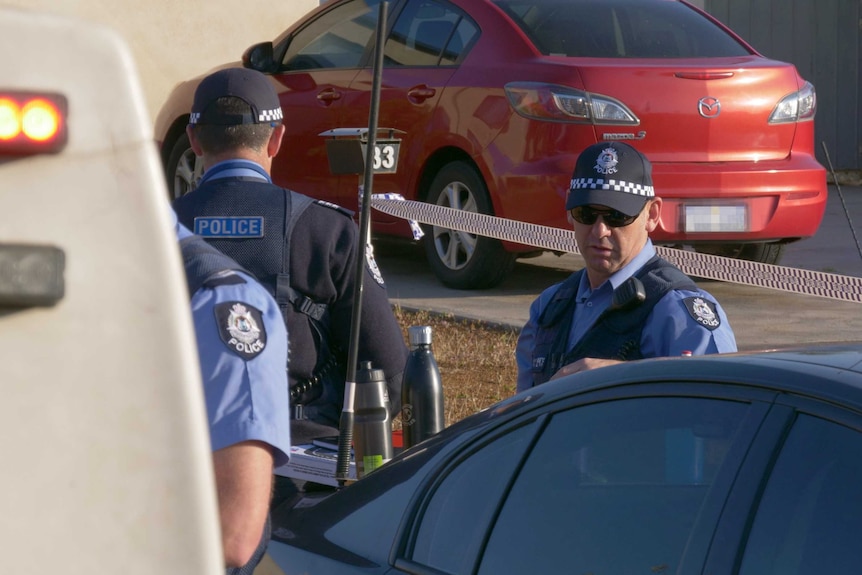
614,175
250,86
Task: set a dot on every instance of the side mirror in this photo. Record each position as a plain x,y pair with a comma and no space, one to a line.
260,57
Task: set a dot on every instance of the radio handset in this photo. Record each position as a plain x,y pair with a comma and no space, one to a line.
631,293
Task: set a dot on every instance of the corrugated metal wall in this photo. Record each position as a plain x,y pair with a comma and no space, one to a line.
823,38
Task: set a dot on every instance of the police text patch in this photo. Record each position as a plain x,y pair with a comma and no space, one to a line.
703,312
229,227
241,328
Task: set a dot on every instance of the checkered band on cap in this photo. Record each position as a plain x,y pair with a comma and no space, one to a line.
613,185
612,174
270,115
252,87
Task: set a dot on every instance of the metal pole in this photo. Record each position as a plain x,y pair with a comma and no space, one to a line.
345,426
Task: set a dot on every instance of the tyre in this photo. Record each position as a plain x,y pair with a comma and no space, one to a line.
458,259
765,253
184,169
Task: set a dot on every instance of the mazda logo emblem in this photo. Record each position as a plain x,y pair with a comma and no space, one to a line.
709,107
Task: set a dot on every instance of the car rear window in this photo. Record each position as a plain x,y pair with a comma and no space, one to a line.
621,29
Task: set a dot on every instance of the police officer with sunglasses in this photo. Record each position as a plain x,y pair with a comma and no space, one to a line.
626,303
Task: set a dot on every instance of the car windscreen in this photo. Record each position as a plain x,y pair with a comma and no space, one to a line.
621,29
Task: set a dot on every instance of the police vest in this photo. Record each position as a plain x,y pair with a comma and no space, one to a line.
221,221
616,334
247,208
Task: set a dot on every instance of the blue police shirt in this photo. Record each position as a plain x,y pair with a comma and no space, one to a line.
242,344
669,329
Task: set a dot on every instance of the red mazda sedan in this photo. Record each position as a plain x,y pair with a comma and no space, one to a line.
494,99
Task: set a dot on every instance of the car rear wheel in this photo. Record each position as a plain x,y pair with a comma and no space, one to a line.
765,253
184,168
458,259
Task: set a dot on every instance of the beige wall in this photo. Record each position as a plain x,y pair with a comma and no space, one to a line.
172,40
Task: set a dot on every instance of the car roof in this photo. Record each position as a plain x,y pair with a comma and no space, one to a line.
827,372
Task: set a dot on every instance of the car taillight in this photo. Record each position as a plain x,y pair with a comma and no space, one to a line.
32,123
551,102
796,107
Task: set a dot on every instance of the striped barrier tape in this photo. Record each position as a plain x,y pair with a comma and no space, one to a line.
821,284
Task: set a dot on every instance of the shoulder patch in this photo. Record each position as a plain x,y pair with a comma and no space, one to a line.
703,312
372,264
335,207
240,327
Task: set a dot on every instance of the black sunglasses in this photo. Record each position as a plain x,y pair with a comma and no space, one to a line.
612,218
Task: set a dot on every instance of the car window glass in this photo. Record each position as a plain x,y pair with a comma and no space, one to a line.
810,516
613,487
464,36
620,29
453,525
421,33
335,40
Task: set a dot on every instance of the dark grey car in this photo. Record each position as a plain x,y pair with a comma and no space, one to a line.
742,463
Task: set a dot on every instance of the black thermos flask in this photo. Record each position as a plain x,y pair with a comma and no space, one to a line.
372,425
422,412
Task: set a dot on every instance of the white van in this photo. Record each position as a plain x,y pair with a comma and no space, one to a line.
103,435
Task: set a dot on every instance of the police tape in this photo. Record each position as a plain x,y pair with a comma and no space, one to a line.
708,266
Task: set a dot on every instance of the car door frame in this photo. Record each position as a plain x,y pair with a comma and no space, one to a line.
318,80
731,535
404,102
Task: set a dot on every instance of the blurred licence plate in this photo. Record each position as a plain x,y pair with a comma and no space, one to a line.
716,218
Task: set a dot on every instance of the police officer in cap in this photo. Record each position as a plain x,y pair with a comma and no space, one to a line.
626,303
304,251
242,343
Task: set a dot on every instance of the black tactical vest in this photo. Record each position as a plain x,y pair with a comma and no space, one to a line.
616,333
267,258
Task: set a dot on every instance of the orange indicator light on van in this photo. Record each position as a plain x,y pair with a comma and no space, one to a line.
32,123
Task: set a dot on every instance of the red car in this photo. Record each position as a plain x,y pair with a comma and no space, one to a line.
495,98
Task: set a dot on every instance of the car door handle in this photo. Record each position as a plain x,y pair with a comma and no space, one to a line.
419,94
329,96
